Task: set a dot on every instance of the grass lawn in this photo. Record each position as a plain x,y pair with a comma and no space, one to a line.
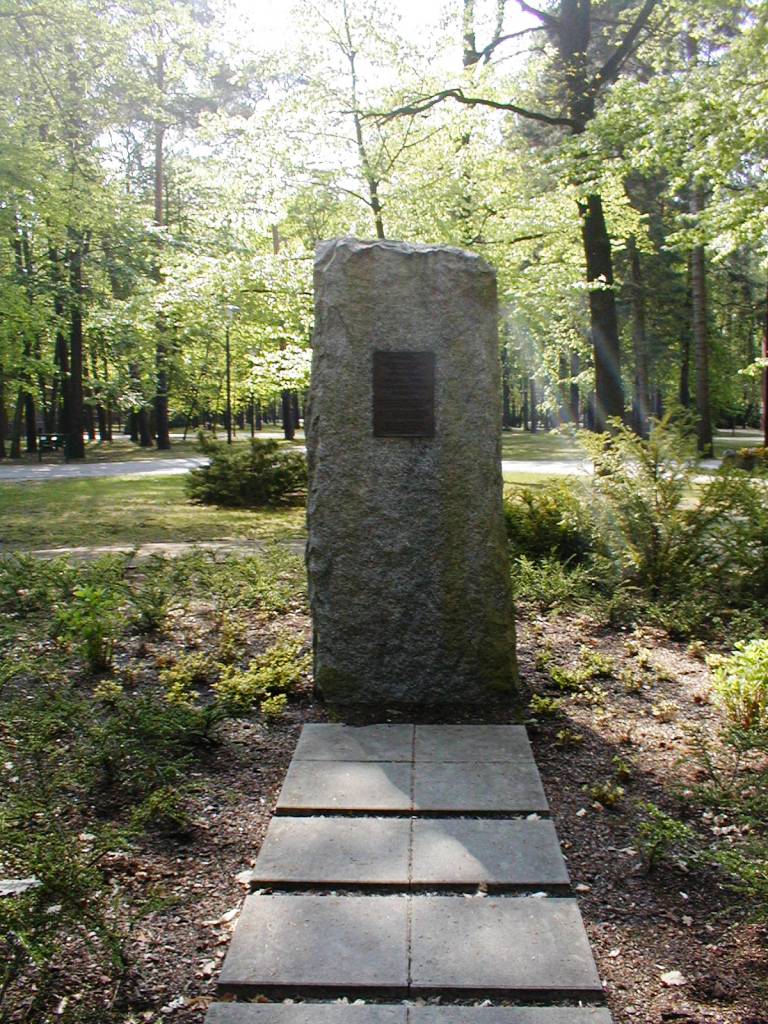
124,450
135,510
517,444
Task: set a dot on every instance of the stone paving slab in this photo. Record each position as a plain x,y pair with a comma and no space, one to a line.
508,1015
372,1013
517,946
472,743
346,786
301,942
335,852
321,741
455,851
510,788
307,1013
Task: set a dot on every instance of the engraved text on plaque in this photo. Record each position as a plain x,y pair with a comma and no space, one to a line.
403,394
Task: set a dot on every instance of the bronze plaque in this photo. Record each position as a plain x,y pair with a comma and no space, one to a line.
403,394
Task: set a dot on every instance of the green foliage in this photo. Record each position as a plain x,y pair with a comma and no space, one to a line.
548,584
568,738
548,523
275,672
29,584
741,686
231,639
260,474
153,597
662,837
606,793
748,871
164,812
273,708
590,665
90,623
544,707
180,680
142,744
667,543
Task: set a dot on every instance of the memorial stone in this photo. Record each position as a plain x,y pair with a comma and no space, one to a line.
407,553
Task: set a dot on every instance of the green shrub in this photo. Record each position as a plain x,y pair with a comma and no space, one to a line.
544,707
252,476
549,584
741,686
153,597
748,870
548,522
179,681
662,837
273,708
90,623
29,584
669,536
274,672
142,744
163,812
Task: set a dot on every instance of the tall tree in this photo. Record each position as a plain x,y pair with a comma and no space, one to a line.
587,52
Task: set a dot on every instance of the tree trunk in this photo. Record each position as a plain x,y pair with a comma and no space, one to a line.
700,335
574,398
506,417
563,413
764,388
75,446
3,424
534,414
604,327
16,429
296,409
641,402
23,264
287,406
162,423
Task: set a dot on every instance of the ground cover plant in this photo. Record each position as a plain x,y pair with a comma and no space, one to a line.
117,726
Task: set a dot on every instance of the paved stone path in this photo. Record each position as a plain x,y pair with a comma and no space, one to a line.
88,470
405,863
178,466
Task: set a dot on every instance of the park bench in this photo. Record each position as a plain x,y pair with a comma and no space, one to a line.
49,443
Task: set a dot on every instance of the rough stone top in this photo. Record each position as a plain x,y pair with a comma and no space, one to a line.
326,251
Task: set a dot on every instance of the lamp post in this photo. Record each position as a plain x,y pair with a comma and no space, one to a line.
231,310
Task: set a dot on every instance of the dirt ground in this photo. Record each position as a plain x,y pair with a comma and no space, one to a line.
642,925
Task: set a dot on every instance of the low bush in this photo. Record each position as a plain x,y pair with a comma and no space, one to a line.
547,584
741,686
252,476
548,522
273,673
90,623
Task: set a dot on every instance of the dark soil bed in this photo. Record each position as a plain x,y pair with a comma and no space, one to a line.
642,925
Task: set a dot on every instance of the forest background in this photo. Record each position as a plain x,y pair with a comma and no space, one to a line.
167,167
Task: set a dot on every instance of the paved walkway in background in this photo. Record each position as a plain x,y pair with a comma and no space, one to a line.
407,863
88,470
174,467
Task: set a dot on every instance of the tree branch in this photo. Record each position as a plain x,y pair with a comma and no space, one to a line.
486,52
422,105
546,19
610,70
